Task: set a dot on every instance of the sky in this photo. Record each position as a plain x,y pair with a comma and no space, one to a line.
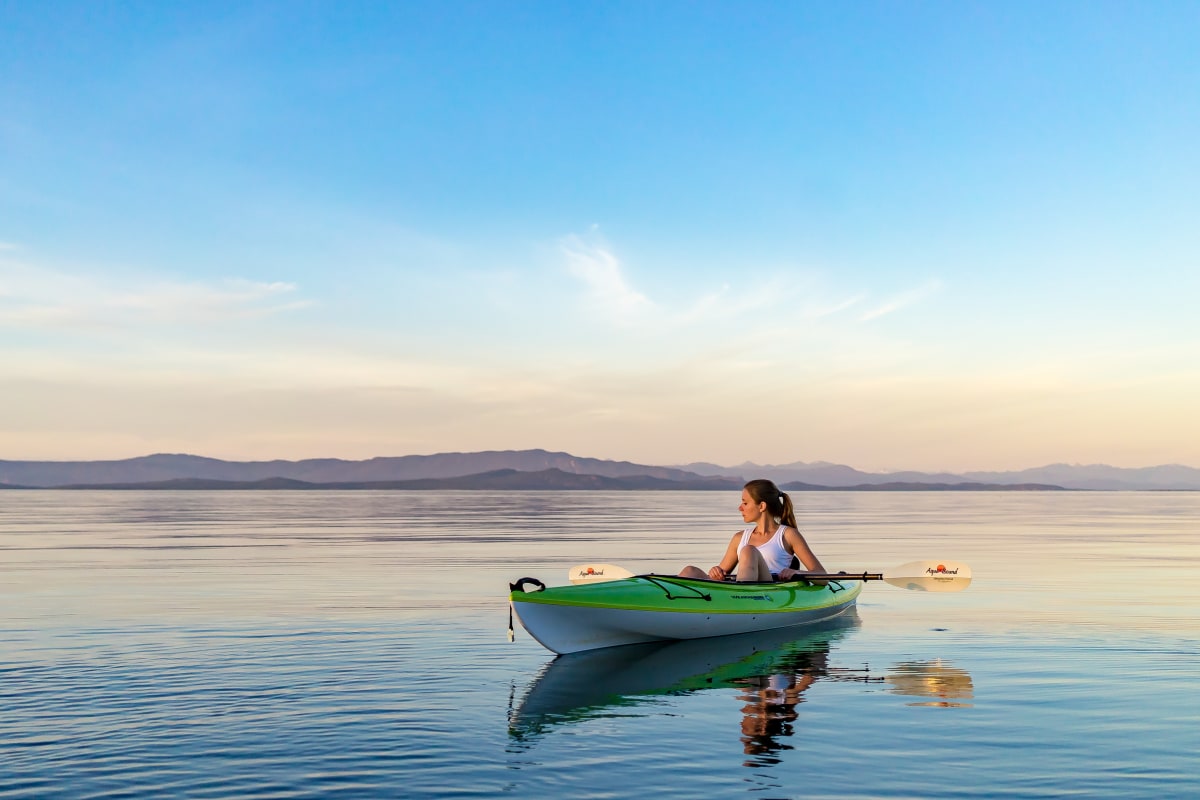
894,235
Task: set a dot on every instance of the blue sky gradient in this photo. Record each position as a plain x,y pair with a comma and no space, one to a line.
897,235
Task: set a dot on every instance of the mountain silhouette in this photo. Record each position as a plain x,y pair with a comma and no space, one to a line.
542,469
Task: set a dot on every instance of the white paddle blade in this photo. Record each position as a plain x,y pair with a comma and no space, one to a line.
930,576
596,573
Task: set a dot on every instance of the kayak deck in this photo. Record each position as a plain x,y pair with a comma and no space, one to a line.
646,608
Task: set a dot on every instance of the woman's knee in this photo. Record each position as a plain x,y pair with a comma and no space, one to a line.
750,557
751,566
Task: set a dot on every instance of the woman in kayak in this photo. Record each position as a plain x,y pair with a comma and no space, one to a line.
763,551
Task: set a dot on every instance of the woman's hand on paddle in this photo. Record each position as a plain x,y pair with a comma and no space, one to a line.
789,574
717,574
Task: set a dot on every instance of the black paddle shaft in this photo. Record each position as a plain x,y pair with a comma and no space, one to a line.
839,576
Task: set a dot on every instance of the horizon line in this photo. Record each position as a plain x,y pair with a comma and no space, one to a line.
681,466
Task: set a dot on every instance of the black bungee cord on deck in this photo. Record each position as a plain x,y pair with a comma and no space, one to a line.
699,595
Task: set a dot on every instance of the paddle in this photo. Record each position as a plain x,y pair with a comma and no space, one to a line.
930,576
921,576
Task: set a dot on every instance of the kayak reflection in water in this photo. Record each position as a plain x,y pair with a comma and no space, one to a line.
765,550
595,683
770,704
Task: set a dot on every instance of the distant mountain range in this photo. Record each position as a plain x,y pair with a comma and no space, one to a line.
543,470
161,468
1067,476
546,479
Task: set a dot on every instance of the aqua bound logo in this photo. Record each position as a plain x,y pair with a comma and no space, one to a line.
939,570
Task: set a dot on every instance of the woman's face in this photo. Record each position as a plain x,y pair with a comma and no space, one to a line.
751,510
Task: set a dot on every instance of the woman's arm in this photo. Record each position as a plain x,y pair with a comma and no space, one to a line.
722,570
801,550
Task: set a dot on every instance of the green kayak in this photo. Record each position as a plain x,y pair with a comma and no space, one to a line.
648,608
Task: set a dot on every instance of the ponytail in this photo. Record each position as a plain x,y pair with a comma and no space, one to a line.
787,514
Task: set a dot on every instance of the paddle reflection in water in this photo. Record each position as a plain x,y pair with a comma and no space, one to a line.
936,679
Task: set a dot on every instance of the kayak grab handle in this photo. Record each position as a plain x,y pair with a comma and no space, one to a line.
519,586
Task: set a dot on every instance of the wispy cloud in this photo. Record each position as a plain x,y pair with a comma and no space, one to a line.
608,289
600,271
819,309
727,303
901,300
204,302
32,296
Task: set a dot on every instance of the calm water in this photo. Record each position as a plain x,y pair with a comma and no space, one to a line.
328,644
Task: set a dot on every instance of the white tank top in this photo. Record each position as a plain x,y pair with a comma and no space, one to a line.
773,551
